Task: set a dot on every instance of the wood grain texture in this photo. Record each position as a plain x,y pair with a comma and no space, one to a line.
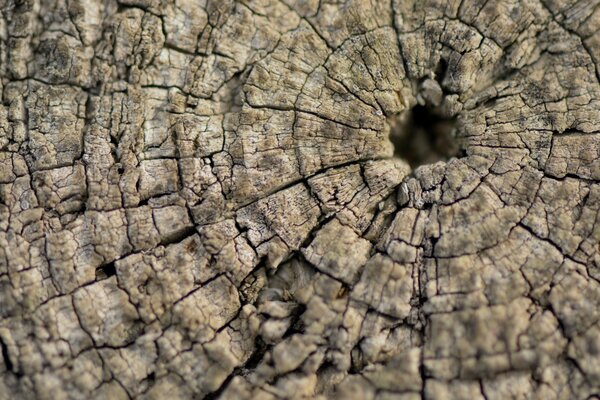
231,199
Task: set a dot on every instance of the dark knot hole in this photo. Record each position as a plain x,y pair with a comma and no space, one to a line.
422,136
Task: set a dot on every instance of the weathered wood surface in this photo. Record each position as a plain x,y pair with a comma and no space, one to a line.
200,198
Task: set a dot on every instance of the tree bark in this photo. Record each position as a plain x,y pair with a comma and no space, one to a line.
262,199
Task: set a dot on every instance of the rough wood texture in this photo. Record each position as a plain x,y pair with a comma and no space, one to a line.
200,198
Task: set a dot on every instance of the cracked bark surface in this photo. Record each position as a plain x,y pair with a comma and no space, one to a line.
232,199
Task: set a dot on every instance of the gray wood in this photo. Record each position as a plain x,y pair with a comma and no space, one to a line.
240,199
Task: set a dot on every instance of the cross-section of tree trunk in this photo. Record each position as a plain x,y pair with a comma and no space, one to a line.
275,199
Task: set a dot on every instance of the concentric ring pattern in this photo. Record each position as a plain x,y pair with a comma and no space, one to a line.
201,199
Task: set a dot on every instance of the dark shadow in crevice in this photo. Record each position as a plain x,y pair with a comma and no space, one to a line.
421,136
7,362
105,271
260,349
